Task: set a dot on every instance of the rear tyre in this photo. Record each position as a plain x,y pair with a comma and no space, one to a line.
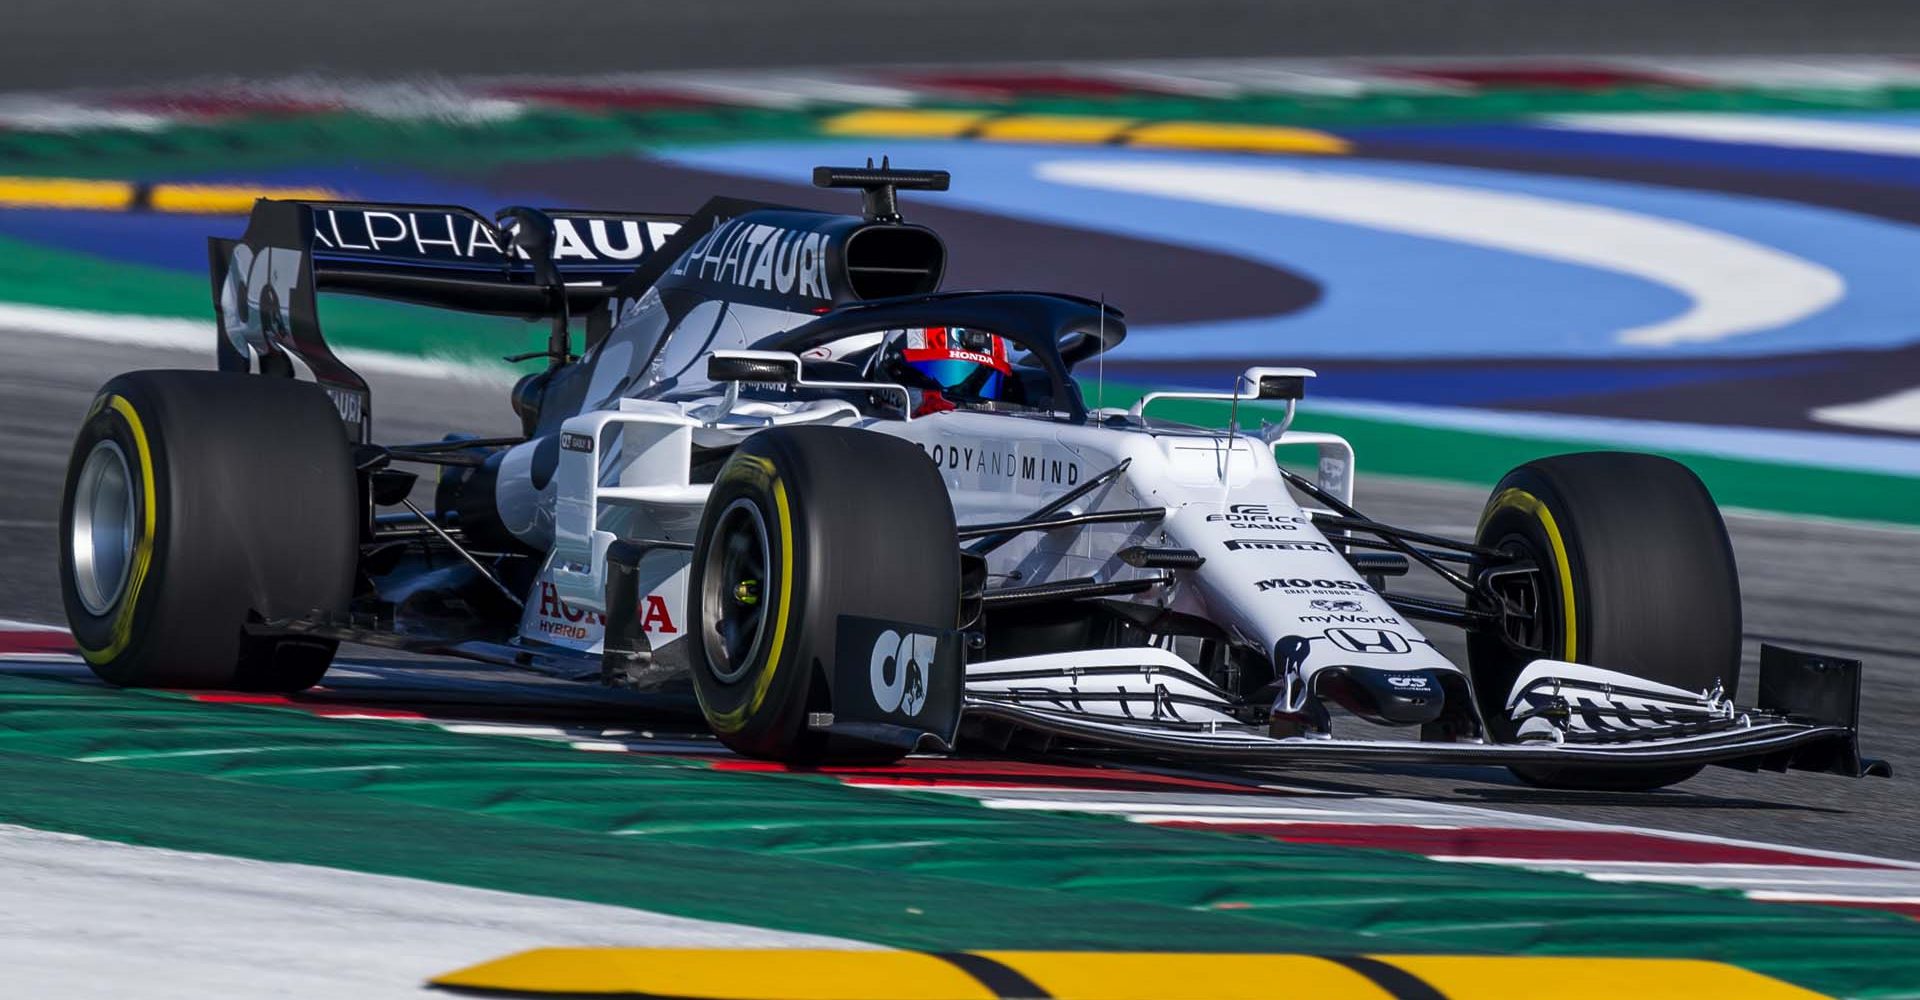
197,503
1637,575
806,524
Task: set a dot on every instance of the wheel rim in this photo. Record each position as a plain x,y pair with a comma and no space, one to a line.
102,532
734,591
1534,632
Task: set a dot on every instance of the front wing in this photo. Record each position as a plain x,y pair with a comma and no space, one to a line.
1148,700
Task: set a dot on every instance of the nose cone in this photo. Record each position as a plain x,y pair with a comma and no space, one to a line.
1389,697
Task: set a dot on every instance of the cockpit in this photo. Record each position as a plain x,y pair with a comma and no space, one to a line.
942,367
1009,352
1000,351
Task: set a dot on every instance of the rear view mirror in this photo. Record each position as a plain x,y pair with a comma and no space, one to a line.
1274,383
777,367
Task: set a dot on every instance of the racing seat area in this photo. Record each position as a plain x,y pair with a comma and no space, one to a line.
1054,331
1026,388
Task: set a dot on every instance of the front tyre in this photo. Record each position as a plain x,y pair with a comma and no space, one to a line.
1636,574
805,524
198,503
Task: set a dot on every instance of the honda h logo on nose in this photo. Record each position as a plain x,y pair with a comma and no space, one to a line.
1368,640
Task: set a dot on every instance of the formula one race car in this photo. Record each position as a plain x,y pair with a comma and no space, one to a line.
864,518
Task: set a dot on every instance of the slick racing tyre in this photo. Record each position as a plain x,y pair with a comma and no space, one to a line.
1636,575
806,524
196,503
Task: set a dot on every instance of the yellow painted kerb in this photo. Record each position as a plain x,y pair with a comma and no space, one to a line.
119,196
1232,136
62,192
1054,128
906,124
1133,975
1473,978
226,199
935,123
821,974
723,974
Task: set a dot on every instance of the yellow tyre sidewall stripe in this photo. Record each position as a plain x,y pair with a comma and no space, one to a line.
1527,503
121,634
734,720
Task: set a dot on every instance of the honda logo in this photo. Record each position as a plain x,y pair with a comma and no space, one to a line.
1368,640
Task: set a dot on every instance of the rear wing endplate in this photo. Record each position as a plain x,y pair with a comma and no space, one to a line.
265,282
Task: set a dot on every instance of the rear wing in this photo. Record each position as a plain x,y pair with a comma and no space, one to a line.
265,282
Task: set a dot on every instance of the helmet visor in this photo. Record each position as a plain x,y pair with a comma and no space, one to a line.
959,375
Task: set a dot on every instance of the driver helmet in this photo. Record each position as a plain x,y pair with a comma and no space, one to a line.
969,365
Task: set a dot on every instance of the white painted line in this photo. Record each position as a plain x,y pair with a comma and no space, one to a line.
1151,811
1820,449
876,846
91,918
1783,877
1222,813
1359,820
1843,523
417,101
102,758
168,333
1711,882
503,729
1736,286
1655,867
342,768
1899,411
1800,72
44,114
1767,130
16,625
1230,77
1435,815
782,90
1789,896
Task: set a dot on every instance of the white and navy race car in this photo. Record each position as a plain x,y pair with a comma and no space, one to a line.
861,517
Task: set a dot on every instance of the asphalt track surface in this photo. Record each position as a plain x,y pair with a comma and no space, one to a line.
92,43
1835,587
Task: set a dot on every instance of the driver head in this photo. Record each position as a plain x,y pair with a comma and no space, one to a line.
968,365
